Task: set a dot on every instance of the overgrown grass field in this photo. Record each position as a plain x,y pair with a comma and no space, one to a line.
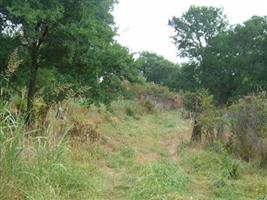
133,155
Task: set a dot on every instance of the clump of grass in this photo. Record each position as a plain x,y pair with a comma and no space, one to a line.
223,190
149,106
36,167
84,131
160,181
199,162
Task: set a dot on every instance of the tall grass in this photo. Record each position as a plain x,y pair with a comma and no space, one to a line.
134,159
35,168
160,181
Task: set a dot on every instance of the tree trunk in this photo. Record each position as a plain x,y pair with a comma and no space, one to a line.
196,133
32,82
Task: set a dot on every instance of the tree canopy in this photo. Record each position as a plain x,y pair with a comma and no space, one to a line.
71,41
195,28
229,61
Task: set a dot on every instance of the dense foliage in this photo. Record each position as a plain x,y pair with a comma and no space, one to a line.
195,29
230,61
63,46
155,68
234,63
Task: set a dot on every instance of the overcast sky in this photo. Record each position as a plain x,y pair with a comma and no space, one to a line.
143,24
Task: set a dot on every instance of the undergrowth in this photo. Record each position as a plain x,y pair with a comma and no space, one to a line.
137,156
36,167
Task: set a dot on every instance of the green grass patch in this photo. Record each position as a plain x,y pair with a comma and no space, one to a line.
159,181
123,158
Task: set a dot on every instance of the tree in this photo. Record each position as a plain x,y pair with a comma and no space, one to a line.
188,78
117,65
157,69
31,21
195,28
220,72
176,77
234,62
229,61
72,40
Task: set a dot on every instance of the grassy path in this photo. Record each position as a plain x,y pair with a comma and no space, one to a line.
148,158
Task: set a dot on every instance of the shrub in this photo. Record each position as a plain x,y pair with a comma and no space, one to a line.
204,113
84,131
149,106
152,96
248,119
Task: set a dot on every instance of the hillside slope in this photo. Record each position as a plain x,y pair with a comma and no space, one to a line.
148,157
133,155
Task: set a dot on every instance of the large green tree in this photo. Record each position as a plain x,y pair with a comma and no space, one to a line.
195,28
73,40
234,63
229,61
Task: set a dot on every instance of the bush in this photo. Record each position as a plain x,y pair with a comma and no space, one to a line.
84,131
248,120
149,106
152,96
204,114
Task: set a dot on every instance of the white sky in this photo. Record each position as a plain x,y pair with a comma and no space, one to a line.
143,24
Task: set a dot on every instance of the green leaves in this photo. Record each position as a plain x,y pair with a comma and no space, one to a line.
229,61
234,62
157,69
195,28
71,43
